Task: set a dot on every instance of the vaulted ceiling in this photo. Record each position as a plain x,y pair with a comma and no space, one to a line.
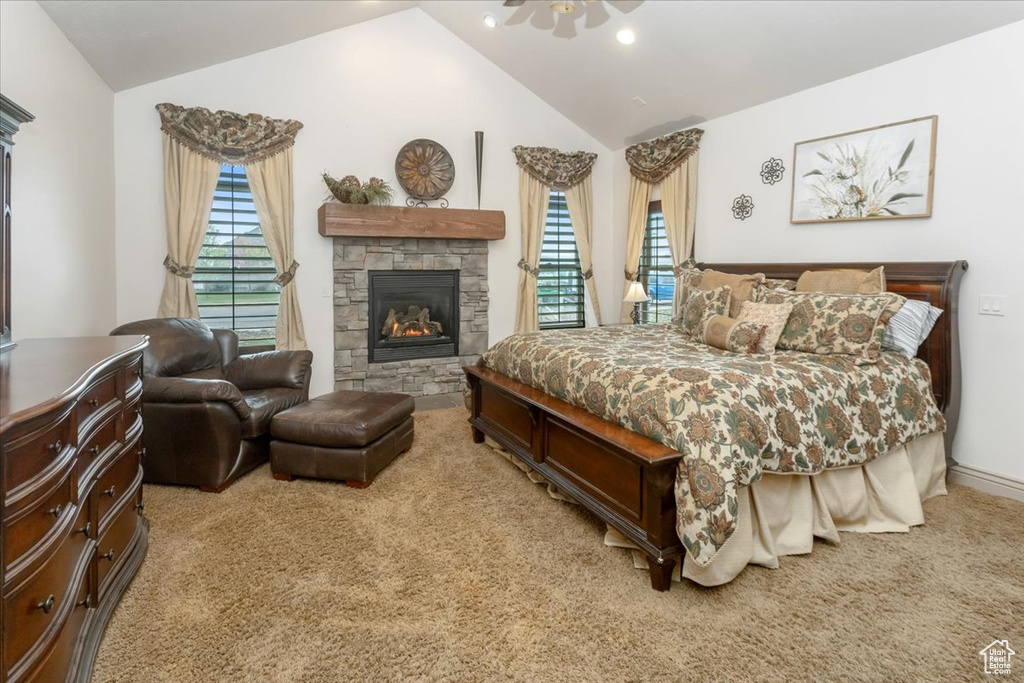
692,61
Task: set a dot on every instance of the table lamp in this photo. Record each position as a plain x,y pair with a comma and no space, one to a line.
636,295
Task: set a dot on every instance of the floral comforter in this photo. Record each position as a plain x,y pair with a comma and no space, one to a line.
732,416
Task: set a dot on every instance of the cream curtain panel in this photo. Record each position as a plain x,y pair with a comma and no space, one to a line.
580,200
270,180
196,143
533,209
542,169
679,206
671,162
639,198
189,182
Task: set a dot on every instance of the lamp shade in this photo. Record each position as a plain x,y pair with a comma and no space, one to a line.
636,293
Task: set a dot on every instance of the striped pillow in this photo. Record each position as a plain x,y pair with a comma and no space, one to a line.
910,326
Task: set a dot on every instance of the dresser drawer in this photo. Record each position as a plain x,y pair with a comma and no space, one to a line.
55,663
116,481
27,458
42,601
132,373
40,522
94,448
115,540
96,397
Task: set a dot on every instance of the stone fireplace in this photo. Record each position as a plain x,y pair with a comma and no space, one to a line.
433,290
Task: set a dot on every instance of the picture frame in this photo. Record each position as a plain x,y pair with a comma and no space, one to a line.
878,173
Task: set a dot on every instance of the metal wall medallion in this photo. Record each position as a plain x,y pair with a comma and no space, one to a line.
425,170
742,207
771,171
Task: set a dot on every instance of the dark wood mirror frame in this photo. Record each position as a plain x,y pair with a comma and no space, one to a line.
11,117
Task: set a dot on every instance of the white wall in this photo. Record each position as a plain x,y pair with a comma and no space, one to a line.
976,87
362,92
63,181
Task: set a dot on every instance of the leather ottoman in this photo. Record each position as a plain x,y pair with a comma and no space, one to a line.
346,436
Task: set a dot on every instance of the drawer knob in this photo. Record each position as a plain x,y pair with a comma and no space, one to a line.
55,510
87,603
87,529
57,446
93,402
140,506
95,450
46,605
110,492
138,412
109,555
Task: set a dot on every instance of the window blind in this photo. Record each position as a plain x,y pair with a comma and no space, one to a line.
560,279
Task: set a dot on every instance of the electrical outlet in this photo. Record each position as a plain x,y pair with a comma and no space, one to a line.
989,304
326,292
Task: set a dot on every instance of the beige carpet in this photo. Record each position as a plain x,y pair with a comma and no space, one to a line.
454,567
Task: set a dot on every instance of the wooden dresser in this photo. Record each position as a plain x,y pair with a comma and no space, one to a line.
72,532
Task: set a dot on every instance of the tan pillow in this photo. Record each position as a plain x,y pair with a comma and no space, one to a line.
741,286
730,334
699,306
843,281
772,316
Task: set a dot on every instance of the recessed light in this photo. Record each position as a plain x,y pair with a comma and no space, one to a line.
625,36
490,21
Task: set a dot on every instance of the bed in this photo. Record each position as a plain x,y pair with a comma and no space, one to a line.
630,481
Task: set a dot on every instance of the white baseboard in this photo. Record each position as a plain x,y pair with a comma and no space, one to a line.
996,484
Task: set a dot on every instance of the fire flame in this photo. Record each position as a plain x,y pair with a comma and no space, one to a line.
411,332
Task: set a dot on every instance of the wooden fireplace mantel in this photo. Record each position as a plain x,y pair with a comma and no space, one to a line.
362,220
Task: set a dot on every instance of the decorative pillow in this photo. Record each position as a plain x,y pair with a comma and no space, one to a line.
911,325
779,283
700,306
730,334
850,324
689,280
772,316
742,286
843,281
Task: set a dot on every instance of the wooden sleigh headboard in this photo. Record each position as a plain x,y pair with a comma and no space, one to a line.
938,283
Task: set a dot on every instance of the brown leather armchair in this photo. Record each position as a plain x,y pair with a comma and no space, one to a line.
206,410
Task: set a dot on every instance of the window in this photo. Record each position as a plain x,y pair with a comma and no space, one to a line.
559,280
656,271
234,277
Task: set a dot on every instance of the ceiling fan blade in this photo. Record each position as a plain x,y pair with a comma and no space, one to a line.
625,6
543,19
513,3
521,14
595,15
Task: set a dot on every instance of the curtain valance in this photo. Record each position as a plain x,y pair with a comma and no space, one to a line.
554,168
652,160
227,137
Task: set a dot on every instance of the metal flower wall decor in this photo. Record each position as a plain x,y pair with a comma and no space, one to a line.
771,171
425,170
743,207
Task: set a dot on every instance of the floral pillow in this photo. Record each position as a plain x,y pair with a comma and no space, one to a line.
699,306
851,324
688,280
772,316
731,334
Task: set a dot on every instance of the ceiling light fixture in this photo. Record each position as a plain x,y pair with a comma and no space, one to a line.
626,37
564,6
490,21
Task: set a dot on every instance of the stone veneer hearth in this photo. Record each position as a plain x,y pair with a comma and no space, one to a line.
353,257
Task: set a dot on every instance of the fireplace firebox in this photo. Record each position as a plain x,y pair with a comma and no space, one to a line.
413,314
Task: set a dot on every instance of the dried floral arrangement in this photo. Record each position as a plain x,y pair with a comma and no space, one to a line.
349,190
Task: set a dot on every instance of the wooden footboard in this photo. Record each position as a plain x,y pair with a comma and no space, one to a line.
622,477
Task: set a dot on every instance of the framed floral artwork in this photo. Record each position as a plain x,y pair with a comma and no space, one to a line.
882,172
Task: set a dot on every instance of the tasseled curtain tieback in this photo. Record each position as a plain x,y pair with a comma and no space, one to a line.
526,267
630,276
588,273
174,268
288,275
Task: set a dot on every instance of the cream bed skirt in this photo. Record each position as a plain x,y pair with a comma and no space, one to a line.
781,514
